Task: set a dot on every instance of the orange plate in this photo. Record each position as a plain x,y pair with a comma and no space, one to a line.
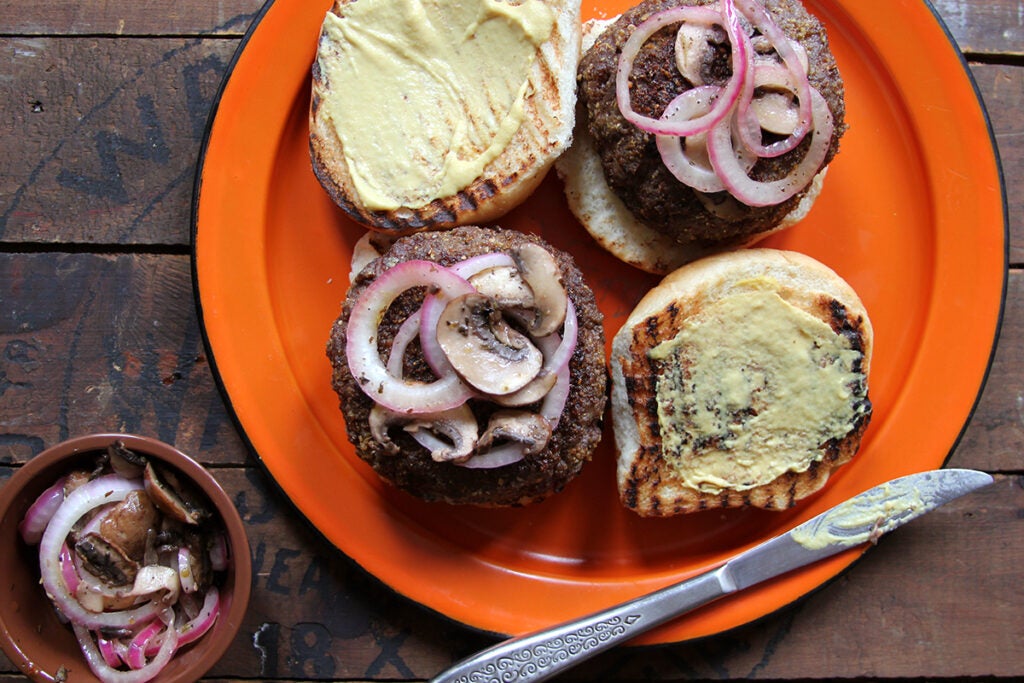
911,215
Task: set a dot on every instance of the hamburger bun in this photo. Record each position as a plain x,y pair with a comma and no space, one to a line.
616,180
429,120
555,429
739,380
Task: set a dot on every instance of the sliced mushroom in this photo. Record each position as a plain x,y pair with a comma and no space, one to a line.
449,435
537,389
195,563
692,50
540,271
128,524
521,426
483,348
776,112
505,285
124,461
106,561
172,497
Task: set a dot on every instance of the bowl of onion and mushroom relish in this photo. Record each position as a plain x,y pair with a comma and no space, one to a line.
123,560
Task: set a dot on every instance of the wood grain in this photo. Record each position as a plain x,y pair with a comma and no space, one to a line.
980,27
107,133
94,342
127,18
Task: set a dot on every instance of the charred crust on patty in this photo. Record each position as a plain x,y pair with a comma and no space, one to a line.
530,480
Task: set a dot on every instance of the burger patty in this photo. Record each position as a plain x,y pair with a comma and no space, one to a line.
413,470
632,165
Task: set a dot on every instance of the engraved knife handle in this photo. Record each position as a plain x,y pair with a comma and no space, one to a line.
540,655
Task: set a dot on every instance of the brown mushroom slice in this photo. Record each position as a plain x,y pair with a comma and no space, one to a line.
505,285
172,496
483,348
124,461
449,435
128,524
540,271
521,426
106,561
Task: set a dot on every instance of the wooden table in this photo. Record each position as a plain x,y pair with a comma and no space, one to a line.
104,106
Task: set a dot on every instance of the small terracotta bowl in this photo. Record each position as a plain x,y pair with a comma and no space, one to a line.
31,634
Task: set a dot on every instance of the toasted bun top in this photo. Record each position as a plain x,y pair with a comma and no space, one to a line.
544,132
652,479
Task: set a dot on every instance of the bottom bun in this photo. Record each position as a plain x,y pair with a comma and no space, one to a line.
739,380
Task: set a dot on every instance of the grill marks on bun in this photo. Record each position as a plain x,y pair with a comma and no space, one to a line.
652,478
543,133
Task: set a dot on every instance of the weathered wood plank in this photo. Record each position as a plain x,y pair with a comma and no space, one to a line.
1002,91
983,27
316,616
105,343
107,136
50,17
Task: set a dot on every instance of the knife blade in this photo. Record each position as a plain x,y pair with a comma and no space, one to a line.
855,522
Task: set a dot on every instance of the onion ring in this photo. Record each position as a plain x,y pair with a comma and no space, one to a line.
756,193
741,49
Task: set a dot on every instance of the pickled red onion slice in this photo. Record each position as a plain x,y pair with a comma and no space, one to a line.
780,78
148,672
741,50
40,512
392,392
474,265
682,165
757,15
757,193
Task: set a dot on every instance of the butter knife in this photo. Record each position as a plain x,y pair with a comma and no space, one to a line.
859,520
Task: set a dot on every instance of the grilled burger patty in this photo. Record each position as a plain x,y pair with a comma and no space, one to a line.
413,470
632,166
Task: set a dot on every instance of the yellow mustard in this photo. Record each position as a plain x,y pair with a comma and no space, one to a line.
752,387
425,93
860,519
